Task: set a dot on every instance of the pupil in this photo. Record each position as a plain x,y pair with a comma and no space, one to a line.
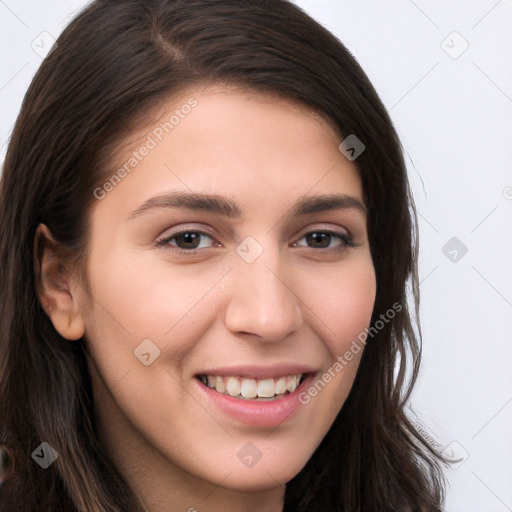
190,240
321,239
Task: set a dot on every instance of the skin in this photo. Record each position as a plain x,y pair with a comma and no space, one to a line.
298,303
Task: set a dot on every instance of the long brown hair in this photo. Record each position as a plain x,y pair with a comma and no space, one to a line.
113,63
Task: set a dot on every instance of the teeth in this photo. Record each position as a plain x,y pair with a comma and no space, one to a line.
219,385
252,388
233,386
280,385
292,383
249,388
266,388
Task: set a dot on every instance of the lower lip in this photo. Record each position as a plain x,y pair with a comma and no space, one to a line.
254,412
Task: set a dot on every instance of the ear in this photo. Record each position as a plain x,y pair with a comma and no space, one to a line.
56,289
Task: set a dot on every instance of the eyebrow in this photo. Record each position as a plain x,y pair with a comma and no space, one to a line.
221,205
320,203
212,203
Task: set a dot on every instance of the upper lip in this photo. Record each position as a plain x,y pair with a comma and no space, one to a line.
259,372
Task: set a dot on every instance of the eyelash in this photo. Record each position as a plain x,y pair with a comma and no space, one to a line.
165,242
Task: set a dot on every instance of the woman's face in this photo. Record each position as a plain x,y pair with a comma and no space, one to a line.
222,263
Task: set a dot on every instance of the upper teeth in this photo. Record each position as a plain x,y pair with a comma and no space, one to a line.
252,388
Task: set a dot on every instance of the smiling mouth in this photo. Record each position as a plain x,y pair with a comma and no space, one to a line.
267,389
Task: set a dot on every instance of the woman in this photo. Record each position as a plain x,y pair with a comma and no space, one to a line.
207,238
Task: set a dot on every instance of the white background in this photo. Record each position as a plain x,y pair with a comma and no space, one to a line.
453,112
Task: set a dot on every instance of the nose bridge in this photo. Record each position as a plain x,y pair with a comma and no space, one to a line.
262,302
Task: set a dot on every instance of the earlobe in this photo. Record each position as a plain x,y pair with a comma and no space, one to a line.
56,289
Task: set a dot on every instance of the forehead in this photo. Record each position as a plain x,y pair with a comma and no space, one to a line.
212,110
231,141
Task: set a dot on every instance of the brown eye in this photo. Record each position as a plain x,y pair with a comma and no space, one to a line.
186,241
319,240
325,239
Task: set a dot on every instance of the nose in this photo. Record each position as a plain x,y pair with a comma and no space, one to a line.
263,301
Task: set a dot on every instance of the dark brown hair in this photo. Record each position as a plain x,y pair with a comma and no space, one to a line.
116,61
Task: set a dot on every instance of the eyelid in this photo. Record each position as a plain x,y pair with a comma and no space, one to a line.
325,227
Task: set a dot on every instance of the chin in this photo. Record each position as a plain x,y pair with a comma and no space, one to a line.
261,477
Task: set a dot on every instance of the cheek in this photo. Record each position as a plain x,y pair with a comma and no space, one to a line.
135,298
138,298
343,301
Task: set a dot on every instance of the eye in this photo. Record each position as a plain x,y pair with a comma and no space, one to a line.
323,239
186,241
